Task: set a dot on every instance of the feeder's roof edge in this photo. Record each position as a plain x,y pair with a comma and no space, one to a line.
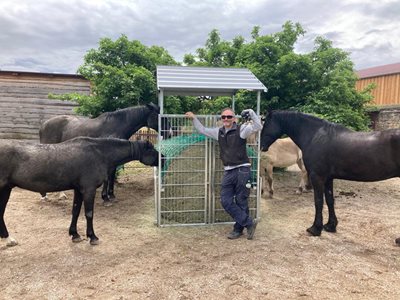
206,81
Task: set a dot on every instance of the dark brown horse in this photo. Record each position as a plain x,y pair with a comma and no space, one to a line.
331,151
81,164
121,124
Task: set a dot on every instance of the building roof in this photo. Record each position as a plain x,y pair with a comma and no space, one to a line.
39,74
379,71
205,81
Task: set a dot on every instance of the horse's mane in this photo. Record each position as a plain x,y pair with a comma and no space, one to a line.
295,116
122,113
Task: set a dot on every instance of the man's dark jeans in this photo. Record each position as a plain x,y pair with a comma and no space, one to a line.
234,196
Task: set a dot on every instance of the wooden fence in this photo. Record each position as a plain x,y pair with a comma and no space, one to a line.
145,134
24,102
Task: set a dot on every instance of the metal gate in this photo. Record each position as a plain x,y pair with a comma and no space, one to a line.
187,188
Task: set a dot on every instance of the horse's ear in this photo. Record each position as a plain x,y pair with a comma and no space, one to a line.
153,106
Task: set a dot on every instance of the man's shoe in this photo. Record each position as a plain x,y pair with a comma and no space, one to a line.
233,235
251,229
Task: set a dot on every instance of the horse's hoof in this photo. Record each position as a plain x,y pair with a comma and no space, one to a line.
77,239
45,198
314,231
94,242
107,203
329,228
398,241
10,242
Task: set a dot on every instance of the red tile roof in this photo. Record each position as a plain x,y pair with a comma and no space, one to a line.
379,71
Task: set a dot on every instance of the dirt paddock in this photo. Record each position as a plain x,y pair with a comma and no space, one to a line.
137,260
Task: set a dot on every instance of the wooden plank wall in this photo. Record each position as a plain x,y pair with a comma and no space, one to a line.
24,103
387,91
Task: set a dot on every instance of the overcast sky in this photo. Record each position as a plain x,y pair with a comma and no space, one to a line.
54,35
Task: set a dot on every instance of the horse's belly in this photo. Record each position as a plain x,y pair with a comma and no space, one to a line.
368,176
39,185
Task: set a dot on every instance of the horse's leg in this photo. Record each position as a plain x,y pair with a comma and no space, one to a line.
302,184
318,184
62,195
262,175
307,181
4,196
88,200
330,202
44,197
111,181
270,171
76,208
104,194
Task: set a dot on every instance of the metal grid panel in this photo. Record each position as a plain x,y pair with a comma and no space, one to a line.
188,187
183,181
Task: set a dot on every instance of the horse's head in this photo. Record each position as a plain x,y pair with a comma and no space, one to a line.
148,154
271,131
152,121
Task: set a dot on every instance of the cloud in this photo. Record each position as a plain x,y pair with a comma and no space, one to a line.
54,35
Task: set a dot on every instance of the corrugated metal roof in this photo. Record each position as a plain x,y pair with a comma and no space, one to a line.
379,71
205,81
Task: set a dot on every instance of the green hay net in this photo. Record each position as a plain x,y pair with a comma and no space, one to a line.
173,147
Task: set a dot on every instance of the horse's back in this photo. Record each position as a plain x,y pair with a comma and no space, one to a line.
359,156
60,128
49,167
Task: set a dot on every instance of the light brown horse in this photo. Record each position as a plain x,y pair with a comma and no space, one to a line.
282,153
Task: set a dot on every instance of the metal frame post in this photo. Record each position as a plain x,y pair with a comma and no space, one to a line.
161,101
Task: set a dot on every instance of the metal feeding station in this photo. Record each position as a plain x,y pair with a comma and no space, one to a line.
187,188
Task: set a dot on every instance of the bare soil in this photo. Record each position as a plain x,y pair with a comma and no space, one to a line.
137,260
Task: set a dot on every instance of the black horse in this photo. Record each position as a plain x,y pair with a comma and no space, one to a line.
119,124
81,164
331,151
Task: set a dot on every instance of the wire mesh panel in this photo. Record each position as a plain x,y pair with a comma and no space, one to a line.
182,182
218,213
189,183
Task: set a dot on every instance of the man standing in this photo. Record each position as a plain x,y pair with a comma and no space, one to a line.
234,189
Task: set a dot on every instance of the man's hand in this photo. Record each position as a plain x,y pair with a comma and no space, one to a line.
246,114
190,115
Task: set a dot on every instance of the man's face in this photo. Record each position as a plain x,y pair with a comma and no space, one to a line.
228,117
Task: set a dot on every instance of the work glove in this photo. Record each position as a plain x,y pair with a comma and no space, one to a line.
246,114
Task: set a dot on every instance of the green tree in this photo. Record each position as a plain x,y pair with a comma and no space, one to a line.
122,73
333,95
321,82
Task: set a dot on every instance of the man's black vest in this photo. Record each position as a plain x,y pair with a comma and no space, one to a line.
232,147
